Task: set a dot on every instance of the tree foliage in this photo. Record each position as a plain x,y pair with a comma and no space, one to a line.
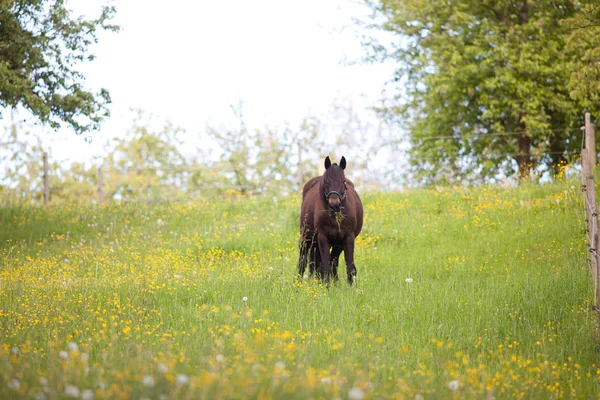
151,162
491,87
41,44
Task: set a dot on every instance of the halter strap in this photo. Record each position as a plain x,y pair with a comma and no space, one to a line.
342,196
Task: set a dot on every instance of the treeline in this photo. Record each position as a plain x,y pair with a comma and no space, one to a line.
149,163
488,88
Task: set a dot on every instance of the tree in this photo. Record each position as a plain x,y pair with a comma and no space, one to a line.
40,47
583,48
146,164
260,161
488,84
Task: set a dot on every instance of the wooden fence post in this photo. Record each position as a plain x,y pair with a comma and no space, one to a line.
590,141
100,186
46,188
592,220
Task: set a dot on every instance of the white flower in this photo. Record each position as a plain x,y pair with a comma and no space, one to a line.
270,268
15,350
163,368
177,276
356,394
87,394
39,396
279,365
148,381
72,346
71,391
63,355
182,379
408,280
419,396
14,384
160,222
454,385
220,358
305,276
326,380
245,298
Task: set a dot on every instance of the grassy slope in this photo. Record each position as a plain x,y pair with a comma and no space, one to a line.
500,300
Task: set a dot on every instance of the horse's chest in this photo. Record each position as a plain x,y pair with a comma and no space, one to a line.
336,230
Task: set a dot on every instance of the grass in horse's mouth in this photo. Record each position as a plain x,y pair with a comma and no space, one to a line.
339,218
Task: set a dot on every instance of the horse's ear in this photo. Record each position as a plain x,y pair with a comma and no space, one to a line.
327,162
343,163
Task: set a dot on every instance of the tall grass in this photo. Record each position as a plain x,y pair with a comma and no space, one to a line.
469,293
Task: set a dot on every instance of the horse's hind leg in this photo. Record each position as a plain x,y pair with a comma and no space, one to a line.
335,259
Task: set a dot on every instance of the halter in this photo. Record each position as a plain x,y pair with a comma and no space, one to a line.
342,196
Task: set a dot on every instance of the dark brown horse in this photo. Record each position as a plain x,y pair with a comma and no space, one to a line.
331,217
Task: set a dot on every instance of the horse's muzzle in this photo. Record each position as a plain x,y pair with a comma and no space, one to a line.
334,203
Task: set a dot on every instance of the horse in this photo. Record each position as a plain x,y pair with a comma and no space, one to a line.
331,217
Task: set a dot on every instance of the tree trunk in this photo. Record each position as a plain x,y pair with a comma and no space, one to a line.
524,156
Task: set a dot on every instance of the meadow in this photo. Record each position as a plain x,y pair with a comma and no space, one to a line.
461,293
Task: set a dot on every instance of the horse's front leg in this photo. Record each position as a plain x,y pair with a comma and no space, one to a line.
349,256
324,247
335,258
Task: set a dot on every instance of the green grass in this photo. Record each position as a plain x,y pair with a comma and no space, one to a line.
488,287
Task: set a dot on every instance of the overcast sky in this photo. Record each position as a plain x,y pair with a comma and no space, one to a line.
188,61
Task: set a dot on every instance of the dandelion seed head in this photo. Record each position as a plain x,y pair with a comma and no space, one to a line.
454,385
408,280
71,391
148,381
182,379
356,394
162,368
87,394
63,355
220,358
245,298
14,384
39,396
15,350
279,365
72,346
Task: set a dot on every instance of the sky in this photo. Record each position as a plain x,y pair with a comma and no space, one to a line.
188,61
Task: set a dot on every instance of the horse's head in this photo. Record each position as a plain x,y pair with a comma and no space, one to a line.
334,184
